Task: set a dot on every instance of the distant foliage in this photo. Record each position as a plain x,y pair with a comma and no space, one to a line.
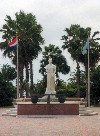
7,93
95,84
40,87
9,73
7,90
68,90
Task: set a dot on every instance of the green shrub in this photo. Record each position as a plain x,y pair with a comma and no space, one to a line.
34,98
40,87
7,93
61,92
67,93
7,90
61,99
61,95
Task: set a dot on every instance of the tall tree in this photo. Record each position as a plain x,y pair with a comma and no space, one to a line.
74,40
30,39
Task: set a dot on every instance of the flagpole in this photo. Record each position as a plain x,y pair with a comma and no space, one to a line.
17,73
88,75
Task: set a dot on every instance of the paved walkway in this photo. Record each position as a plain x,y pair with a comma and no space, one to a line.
57,126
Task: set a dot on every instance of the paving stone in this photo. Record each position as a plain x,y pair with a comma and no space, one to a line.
69,125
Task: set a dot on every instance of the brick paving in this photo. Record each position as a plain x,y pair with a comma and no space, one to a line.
57,126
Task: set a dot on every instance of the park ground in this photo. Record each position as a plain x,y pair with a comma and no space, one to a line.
68,125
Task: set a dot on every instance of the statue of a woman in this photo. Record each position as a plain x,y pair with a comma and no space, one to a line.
51,70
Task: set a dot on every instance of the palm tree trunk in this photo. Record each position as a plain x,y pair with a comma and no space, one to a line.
27,80
78,79
31,77
21,80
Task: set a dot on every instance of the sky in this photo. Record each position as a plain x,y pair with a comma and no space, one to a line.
54,16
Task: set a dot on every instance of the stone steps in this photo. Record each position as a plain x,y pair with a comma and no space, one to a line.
10,112
88,114
86,111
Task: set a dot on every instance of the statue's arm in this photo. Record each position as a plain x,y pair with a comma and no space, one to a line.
54,69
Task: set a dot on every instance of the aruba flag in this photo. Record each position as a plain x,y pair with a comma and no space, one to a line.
86,46
13,43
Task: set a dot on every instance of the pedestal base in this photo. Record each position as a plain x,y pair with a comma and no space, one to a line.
52,98
50,92
48,109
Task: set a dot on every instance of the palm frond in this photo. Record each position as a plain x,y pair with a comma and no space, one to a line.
95,33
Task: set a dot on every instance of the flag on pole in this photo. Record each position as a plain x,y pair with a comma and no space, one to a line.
13,44
84,51
85,48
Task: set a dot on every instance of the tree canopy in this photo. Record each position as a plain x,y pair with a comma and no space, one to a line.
58,59
74,40
28,33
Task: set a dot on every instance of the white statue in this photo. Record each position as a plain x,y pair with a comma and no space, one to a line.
51,70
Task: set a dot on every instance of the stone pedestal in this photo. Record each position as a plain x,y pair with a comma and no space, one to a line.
47,109
52,97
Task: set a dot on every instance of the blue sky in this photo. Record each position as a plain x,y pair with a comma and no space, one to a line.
54,16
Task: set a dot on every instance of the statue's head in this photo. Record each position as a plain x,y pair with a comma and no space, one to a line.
50,60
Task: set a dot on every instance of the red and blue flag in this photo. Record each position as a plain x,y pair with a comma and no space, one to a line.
14,43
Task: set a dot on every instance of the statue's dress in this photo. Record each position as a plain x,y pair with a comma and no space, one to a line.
50,69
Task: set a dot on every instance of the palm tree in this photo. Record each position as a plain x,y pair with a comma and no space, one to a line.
30,39
74,40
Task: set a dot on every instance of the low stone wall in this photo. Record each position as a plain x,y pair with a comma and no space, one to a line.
21,100
81,101
75,99
48,109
